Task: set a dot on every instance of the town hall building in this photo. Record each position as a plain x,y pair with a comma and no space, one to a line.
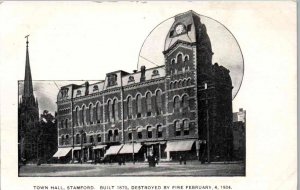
180,109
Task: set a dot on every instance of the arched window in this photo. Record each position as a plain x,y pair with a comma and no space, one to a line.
185,102
66,123
171,85
186,127
172,62
91,114
116,135
149,132
91,139
158,101
139,105
129,107
83,115
77,114
148,103
176,104
115,111
159,131
179,58
129,135
177,128
179,84
84,137
186,58
175,84
110,110
99,138
188,82
62,124
67,139
62,140
183,83
77,139
140,134
110,135
98,112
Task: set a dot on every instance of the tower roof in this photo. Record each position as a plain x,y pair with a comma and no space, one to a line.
28,89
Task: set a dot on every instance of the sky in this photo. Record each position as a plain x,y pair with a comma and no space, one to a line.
85,40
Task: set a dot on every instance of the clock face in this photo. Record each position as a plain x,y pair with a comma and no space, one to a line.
179,29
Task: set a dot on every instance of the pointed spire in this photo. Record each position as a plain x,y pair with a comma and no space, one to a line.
28,90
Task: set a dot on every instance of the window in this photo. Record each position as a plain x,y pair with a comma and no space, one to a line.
159,131
130,79
189,27
67,139
186,127
185,103
110,110
83,115
175,84
176,104
91,139
148,103
171,85
155,72
78,93
115,111
171,33
98,112
98,138
62,123
179,84
179,58
177,128
139,105
77,139
116,134
95,88
110,135
186,58
112,80
184,83
149,132
129,107
158,100
84,137
91,114
62,140
139,131
188,82
77,115
129,135
66,123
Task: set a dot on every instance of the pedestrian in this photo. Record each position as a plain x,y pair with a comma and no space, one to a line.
180,159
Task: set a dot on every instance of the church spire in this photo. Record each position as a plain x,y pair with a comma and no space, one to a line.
28,90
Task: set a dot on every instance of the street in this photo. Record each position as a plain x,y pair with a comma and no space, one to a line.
193,168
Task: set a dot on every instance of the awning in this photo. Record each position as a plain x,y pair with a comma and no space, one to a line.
152,143
128,148
99,147
77,148
113,150
62,152
179,145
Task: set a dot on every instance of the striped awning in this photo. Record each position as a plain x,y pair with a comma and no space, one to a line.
61,152
174,146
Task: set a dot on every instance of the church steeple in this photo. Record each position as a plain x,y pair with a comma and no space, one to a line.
28,90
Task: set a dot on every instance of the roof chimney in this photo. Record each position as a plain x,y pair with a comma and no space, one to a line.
143,71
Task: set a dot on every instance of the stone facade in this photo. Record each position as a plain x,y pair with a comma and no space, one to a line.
188,98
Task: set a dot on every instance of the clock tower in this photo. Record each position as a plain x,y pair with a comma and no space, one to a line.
189,71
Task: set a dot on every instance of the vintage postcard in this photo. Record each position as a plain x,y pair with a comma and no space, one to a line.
148,95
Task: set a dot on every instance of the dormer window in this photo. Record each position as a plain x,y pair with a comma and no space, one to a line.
112,80
78,93
95,88
130,79
64,93
155,72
